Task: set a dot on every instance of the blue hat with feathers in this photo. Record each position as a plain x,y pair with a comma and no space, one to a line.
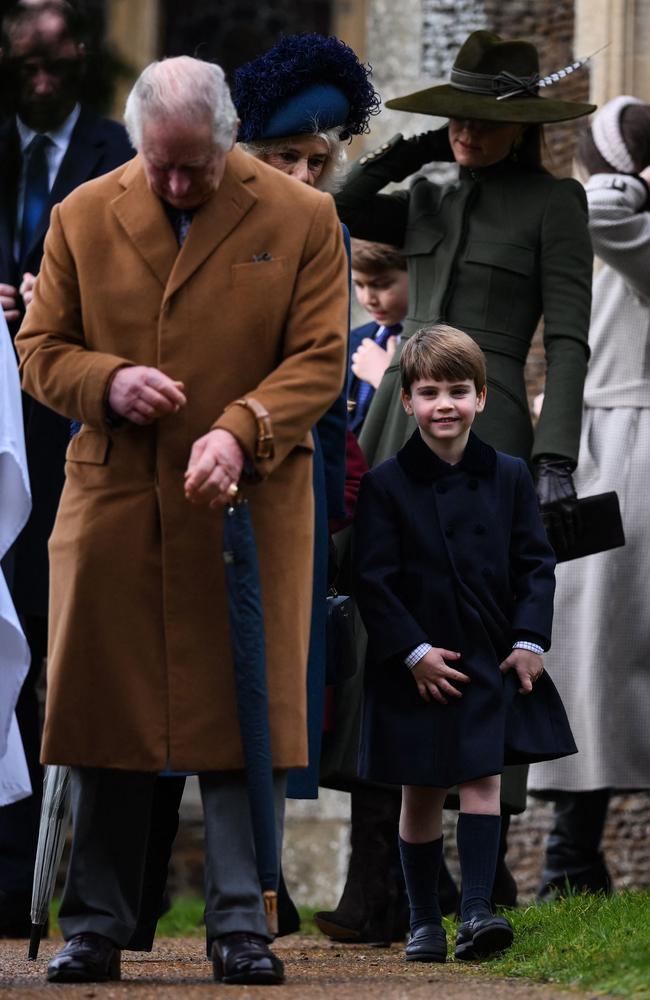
305,83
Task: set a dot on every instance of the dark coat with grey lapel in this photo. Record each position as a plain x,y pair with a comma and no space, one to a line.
456,556
97,145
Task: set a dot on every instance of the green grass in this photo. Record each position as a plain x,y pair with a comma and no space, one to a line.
590,943
595,943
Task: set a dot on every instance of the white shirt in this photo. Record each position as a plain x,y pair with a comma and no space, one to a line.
58,147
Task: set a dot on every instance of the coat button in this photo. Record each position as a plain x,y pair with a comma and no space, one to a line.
441,488
449,532
480,529
472,484
487,573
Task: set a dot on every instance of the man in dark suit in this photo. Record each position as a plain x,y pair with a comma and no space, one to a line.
49,146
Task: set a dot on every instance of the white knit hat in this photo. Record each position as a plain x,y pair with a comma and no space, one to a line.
607,136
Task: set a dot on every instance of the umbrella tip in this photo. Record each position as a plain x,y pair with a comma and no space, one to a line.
271,910
34,941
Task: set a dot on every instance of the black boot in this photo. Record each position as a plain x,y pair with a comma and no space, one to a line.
504,892
574,860
374,907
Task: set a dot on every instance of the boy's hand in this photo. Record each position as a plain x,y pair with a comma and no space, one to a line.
433,676
370,361
529,667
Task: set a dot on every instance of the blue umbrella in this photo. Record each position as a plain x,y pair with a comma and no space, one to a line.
249,661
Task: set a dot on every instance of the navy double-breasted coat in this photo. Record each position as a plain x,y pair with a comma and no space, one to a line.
456,556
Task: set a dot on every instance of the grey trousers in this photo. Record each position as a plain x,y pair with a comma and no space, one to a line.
111,818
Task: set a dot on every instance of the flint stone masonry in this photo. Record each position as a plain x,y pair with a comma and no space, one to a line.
316,846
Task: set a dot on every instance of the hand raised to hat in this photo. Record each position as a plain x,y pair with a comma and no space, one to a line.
406,156
558,501
215,466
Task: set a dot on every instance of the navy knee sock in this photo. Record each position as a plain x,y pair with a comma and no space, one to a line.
477,836
421,867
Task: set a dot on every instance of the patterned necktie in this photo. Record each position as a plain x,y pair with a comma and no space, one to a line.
365,390
37,190
181,222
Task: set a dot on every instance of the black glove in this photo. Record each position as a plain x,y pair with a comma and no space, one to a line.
428,147
558,501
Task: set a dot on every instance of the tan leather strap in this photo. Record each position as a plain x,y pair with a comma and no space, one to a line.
264,447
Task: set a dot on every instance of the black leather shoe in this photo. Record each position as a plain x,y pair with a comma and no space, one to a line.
482,936
427,944
245,959
86,958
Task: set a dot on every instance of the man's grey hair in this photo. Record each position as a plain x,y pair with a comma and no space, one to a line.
333,173
185,89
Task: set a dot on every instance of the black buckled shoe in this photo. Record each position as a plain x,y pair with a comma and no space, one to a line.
245,959
86,958
427,944
482,936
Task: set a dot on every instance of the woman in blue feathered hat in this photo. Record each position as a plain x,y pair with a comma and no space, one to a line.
299,104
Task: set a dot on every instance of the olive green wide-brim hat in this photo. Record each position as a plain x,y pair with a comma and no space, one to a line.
495,80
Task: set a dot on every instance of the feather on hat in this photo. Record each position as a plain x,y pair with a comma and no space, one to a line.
305,83
496,80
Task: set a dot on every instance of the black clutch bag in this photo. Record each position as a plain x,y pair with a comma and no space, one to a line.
341,662
601,527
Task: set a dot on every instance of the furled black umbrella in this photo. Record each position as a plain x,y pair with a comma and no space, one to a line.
249,661
55,819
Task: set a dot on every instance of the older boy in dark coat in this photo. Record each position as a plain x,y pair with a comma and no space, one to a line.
455,586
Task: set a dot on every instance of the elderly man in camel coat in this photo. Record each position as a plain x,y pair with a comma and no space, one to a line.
173,292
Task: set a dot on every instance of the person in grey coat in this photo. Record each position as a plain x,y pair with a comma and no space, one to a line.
601,641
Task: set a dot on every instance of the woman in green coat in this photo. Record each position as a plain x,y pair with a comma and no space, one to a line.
492,253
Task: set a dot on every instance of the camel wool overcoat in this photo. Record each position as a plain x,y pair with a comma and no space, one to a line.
255,303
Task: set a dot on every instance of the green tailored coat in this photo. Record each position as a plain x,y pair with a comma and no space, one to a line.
490,253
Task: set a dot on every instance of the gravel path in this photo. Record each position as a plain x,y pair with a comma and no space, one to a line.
177,968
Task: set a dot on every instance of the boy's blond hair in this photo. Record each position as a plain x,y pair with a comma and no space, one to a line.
441,352
375,258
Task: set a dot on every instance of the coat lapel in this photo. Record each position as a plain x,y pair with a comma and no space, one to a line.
215,220
143,219
84,150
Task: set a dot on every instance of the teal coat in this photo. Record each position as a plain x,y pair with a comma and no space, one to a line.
490,253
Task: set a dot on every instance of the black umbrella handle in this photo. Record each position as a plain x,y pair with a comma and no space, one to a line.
34,941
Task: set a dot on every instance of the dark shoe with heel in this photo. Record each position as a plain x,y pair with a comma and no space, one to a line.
482,937
86,958
427,944
245,959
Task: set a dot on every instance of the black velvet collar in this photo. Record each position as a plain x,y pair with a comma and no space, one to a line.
419,462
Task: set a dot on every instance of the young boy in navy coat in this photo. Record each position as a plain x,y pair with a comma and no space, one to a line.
455,581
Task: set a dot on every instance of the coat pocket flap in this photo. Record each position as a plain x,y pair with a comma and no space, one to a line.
508,256
421,239
257,270
89,446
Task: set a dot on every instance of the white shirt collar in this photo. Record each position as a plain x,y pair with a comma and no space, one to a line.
59,136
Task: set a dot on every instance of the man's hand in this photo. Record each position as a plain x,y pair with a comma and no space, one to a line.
27,287
370,361
216,463
142,395
433,676
9,302
528,665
